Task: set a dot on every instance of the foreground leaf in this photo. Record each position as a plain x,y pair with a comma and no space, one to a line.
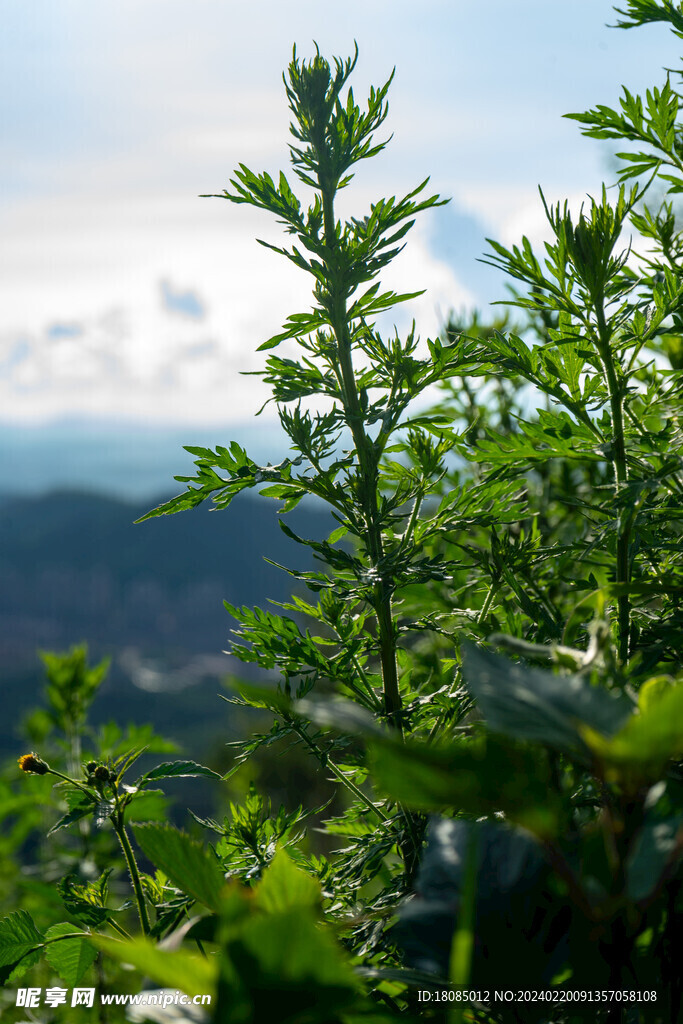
193,975
479,776
285,886
530,704
184,860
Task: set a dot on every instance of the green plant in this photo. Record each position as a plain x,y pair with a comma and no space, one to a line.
541,525
554,534
376,488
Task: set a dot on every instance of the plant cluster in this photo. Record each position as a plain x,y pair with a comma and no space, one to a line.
534,509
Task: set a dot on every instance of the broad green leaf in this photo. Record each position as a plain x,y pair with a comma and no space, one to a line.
531,704
183,860
479,776
13,972
285,886
653,690
658,847
18,936
71,958
281,966
194,975
149,805
177,770
649,739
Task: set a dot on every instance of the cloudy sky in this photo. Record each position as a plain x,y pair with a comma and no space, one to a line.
125,297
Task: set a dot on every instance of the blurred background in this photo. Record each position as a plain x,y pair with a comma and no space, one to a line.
128,305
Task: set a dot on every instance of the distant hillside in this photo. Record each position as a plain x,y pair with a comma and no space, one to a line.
74,567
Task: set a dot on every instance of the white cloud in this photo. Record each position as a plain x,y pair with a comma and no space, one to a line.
101,338
117,114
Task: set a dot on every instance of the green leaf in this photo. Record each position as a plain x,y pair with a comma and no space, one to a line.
285,886
149,805
18,936
279,962
337,534
13,972
85,901
79,806
177,770
648,741
184,861
531,704
193,975
71,958
479,776
653,690
657,850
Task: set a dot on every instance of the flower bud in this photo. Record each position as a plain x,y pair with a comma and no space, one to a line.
33,764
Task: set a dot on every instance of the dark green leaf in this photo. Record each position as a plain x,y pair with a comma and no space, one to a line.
479,776
177,770
531,704
658,850
18,936
71,958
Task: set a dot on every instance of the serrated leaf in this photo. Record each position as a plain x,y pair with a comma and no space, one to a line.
12,973
150,805
648,740
285,886
184,860
84,901
70,958
18,936
80,810
177,770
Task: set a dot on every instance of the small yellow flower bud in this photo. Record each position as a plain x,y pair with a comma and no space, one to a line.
33,764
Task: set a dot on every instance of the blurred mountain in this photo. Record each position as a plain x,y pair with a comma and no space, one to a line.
74,567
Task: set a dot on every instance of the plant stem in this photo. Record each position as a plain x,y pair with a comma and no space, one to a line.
119,929
368,465
488,601
60,938
336,771
133,871
624,523
74,782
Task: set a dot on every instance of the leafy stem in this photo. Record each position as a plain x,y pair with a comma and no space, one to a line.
619,463
133,870
367,463
325,761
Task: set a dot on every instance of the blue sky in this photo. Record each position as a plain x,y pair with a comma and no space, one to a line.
126,298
